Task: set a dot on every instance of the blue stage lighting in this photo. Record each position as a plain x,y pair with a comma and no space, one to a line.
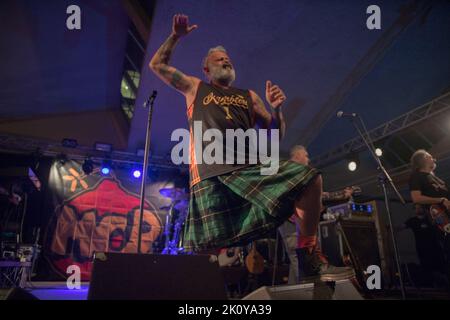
106,167
137,174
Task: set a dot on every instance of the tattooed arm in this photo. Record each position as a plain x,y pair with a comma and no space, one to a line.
264,119
160,61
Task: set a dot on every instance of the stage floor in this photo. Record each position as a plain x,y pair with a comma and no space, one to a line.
59,291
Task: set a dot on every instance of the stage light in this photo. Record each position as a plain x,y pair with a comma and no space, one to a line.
137,174
88,166
106,167
352,165
378,152
352,161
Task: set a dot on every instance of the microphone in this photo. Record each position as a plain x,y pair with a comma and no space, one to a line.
342,114
151,99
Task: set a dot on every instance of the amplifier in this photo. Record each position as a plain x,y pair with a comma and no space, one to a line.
350,211
359,237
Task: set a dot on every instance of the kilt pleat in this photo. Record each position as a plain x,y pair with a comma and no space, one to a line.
236,208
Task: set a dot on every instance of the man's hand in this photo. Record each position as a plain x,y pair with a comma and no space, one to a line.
274,95
180,26
446,203
348,192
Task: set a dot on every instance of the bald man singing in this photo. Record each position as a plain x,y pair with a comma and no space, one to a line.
232,204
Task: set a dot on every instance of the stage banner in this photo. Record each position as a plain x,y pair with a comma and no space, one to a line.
99,213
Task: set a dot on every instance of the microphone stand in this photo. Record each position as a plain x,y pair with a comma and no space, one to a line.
149,104
383,179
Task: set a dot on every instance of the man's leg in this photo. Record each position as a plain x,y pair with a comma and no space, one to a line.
307,209
312,264
288,232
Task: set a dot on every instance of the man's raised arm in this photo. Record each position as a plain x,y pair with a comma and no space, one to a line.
160,61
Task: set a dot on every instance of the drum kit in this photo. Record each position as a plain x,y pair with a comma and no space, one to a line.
175,218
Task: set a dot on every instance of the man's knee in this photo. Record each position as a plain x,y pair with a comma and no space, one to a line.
312,191
316,184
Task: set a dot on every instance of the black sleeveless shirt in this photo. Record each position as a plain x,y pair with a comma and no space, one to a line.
220,109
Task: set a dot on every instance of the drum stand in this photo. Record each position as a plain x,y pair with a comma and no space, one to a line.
173,245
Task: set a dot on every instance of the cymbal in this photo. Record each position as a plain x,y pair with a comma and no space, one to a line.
174,193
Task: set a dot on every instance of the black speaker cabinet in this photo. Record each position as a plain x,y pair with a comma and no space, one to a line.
361,237
119,276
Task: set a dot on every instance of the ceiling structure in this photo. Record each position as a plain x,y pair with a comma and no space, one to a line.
320,52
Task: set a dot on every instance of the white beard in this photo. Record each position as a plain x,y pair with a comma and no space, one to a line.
222,75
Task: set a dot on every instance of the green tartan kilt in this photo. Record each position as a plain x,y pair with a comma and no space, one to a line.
238,207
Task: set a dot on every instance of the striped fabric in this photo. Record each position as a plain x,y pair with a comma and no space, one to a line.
236,208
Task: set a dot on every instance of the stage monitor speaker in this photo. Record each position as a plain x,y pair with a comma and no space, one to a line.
16,294
119,276
342,290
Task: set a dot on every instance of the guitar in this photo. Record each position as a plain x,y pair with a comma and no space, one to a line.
340,195
333,196
254,261
440,217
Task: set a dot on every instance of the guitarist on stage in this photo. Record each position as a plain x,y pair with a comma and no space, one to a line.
290,231
428,190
